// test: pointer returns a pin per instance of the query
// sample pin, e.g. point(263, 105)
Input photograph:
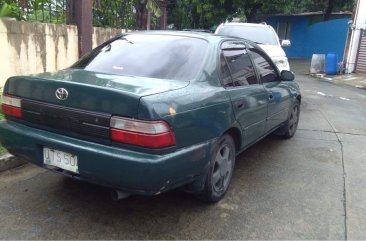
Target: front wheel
point(221, 170)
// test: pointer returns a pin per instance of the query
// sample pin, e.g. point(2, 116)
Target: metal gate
point(361, 55)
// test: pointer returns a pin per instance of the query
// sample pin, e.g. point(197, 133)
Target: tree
point(199, 14)
point(206, 13)
point(327, 6)
point(251, 8)
point(52, 11)
point(337, 5)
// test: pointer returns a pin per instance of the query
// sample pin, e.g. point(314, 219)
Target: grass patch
point(2, 150)
point(1, 113)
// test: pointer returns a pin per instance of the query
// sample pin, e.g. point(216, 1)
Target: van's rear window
point(152, 56)
point(259, 35)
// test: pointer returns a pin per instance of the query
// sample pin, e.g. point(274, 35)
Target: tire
point(221, 170)
point(289, 129)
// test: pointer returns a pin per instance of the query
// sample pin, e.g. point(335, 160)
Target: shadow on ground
point(279, 188)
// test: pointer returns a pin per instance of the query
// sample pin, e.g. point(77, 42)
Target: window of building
point(284, 30)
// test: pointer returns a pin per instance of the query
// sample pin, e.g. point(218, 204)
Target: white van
point(262, 34)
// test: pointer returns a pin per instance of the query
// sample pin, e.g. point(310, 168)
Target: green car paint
point(199, 111)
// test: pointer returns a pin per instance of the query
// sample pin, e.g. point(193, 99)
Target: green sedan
point(148, 112)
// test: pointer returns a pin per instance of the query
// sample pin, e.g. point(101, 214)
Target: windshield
point(258, 35)
point(152, 56)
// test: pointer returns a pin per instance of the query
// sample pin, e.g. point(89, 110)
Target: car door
point(277, 91)
point(249, 98)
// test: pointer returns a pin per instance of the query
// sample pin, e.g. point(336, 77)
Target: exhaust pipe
point(119, 195)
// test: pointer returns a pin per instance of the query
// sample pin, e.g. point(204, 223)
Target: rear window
point(151, 56)
point(258, 35)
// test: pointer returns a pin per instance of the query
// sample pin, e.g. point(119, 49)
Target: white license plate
point(60, 159)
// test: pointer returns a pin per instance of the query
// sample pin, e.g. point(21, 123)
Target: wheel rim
point(222, 168)
point(294, 119)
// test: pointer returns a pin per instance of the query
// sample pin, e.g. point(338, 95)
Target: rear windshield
point(258, 35)
point(152, 56)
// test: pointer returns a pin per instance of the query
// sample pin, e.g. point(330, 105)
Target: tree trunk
point(329, 10)
point(141, 16)
point(252, 13)
point(148, 25)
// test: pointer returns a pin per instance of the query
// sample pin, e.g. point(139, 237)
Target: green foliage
point(301, 6)
point(51, 11)
point(2, 150)
point(153, 7)
point(123, 13)
point(199, 14)
point(206, 13)
point(1, 114)
point(115, 13)
point(9, 9)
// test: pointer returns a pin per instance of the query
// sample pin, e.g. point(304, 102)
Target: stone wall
point(33, 47)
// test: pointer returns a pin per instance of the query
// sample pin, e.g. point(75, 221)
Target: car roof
point(171, 32)
point(190, 34)
point(258, 25)
point(210, 37)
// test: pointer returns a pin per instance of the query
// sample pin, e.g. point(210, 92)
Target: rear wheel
point(221, 170)
point(289, 129)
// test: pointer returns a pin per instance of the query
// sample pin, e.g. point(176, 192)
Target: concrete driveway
point(310, 187)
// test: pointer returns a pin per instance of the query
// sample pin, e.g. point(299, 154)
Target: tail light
point(151, 134)
point(11, 106)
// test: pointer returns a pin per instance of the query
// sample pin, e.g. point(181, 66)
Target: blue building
point(310, 34)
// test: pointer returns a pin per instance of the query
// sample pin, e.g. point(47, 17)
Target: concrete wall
point(32, 47)
point(100, 35)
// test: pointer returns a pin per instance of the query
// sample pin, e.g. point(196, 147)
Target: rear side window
point(152, 56)
point(225, 72)
point(240, 66)
point(266, 70)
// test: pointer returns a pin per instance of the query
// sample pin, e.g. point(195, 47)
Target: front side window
point(266, 70)
point(241, 67)
point(151, 56)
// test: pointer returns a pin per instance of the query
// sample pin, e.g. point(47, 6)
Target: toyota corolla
point(148, 112)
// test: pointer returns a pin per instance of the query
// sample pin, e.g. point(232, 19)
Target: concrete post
point(356, 27)
point(80, 13)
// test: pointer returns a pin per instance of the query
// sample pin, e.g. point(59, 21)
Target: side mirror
point(287, 75)
point(286, 43)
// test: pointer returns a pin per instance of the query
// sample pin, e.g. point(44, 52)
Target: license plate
point(63, 160)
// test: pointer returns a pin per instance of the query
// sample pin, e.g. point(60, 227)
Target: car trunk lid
point(90, 91)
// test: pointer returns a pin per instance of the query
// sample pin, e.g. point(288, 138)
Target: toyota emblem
point(62, 94)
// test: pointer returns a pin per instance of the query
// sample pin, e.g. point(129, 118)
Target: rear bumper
point(133, 172)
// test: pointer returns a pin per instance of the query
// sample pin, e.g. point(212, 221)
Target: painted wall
point(310, 36)
point(325, 37)
point(32, 47)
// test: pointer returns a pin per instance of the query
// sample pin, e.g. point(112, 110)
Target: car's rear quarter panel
point(197, 113)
